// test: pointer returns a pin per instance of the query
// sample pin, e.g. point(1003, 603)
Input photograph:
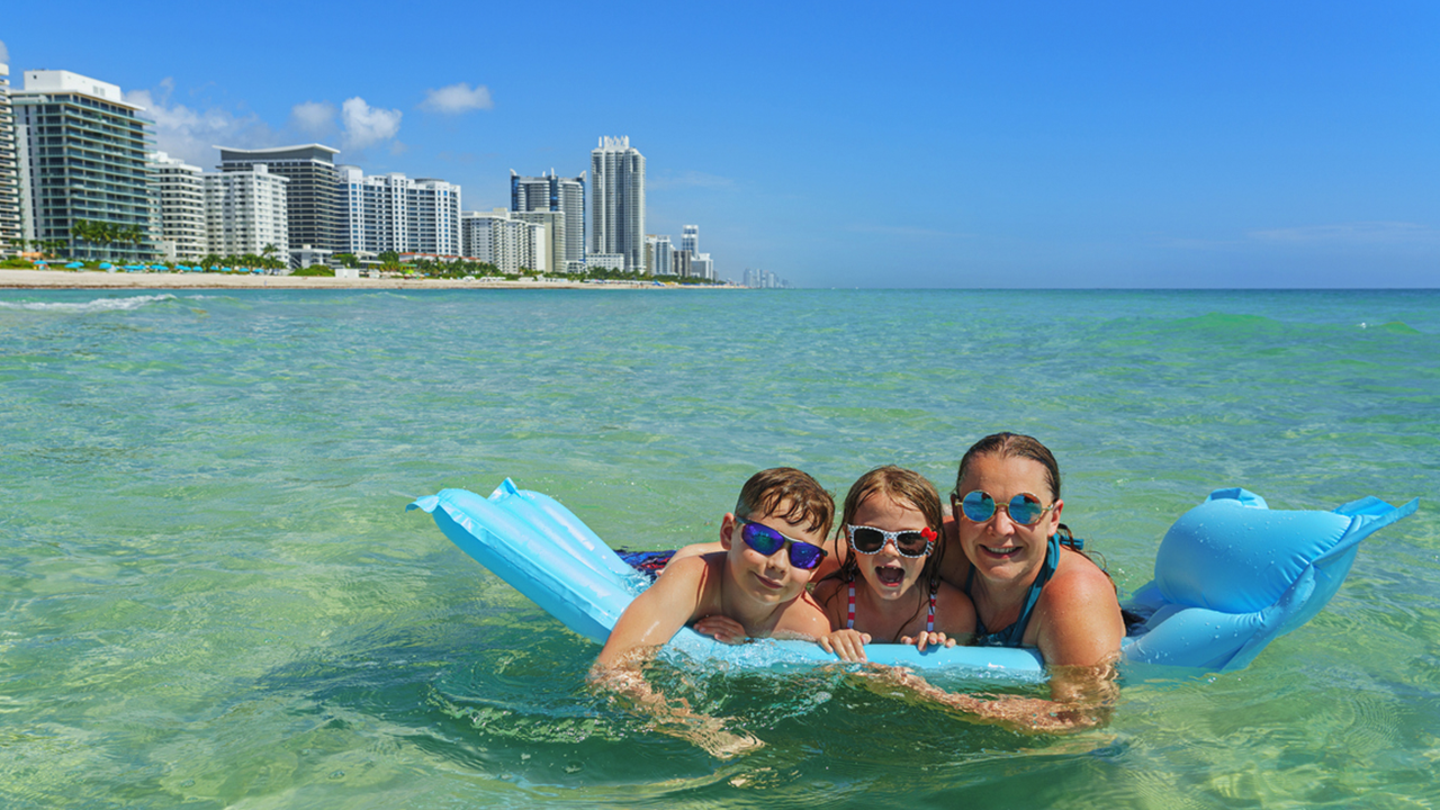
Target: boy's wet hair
point(809, 504)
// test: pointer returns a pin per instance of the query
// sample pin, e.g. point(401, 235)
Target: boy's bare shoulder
point(802, 618)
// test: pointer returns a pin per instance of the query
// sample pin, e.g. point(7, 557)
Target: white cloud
point(314, 118)
point(366, 125)
point(457, 98)
point(4, 53)
point(191, 134)
point(1357, 233)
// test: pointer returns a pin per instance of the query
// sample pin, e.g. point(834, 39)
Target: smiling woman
point(1031, 586)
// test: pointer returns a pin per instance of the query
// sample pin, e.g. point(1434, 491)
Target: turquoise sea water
point(213, 597)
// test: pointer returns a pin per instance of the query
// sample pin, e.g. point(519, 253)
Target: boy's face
point(768, 579)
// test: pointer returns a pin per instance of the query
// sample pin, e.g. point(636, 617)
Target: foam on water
point(213, 597)
point(122, 304)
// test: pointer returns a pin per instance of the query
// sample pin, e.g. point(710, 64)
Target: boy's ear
point(727, 528)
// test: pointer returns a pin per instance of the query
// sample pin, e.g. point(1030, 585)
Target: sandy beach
point(82, 279)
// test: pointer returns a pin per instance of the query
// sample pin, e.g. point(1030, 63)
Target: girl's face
point(889, 575)
point(1001, 549)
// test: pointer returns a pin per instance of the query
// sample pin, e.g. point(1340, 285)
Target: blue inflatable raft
point(1231, 576)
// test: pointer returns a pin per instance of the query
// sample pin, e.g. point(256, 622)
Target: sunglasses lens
point(978, 506)
point(911, 544)
point(1025, 509)
point(805, 555)
point(867, 540)
point(766, 541)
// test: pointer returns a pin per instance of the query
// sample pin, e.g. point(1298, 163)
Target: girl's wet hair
point(808, 502)
point(904, 486)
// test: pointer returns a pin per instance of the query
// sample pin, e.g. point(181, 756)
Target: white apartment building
point(550, 192)
point(690, 239)
point(246, 211)
point(10, 228)
point(658, 252)
point(702, 267)
point(552, 241)
point(617, 202)
point(393, 212)
point(83, 154)
point(180, 192)
point(496, 237)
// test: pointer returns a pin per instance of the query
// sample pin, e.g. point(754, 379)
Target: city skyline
point(967, 146)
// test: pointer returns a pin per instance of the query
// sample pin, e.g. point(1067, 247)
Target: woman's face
point(1001, 549)
point(889, 575)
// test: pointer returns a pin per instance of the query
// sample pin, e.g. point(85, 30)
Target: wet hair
point(1017, 445)
point(1013, 445)
point(809, 504)
point(902, 485)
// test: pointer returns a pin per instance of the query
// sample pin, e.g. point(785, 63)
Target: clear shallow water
point(212, 596)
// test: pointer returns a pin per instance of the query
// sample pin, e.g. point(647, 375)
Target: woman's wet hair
point(902, 486)
point(1013, 445)
point(1018, 445)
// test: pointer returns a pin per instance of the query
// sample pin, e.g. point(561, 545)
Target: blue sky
point(1136, 144)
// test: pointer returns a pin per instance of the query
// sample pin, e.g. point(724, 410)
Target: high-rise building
point(701, 266)
point(659, 252)
point(550, 192)
point(680, 263)
point(690, 239)
point(617, 201)
point(246, 212)
point(180, 191)
point(497, 237)
point(86, 152)
point(311, 201)
point(392, 212)
point(10, 229)
point(553, 242)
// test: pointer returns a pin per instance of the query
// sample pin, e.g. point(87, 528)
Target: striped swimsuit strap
point(929, 618)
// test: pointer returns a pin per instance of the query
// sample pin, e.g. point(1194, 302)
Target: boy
point(754, 586)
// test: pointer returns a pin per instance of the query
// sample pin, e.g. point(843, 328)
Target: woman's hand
point(927, 638)
point(723, 629)
point(848, 644)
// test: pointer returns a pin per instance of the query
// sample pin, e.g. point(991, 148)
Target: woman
point(1031, 586)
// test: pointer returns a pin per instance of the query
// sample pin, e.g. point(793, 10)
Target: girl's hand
point(848, 644)
point(931, 639)
point(723, 629)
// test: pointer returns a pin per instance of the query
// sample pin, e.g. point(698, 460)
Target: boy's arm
point(657, 614)
point(649, 622)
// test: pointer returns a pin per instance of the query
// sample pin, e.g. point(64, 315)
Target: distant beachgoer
point(888, 588)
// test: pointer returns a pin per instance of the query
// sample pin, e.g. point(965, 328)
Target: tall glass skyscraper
point(617, 201)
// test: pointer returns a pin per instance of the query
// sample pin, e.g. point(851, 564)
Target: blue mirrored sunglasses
point(767, 541)
point(1024, 508)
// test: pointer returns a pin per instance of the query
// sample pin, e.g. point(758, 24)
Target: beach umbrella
point(106, 265)
point(74, 266)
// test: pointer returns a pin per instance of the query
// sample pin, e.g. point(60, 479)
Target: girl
point(887, 588)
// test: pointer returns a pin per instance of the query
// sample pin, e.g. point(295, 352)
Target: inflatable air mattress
point(1231, 576)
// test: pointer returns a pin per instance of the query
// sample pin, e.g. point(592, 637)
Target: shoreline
point(99, 280)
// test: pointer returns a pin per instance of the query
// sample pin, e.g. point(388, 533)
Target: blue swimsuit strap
point(1012, 636)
